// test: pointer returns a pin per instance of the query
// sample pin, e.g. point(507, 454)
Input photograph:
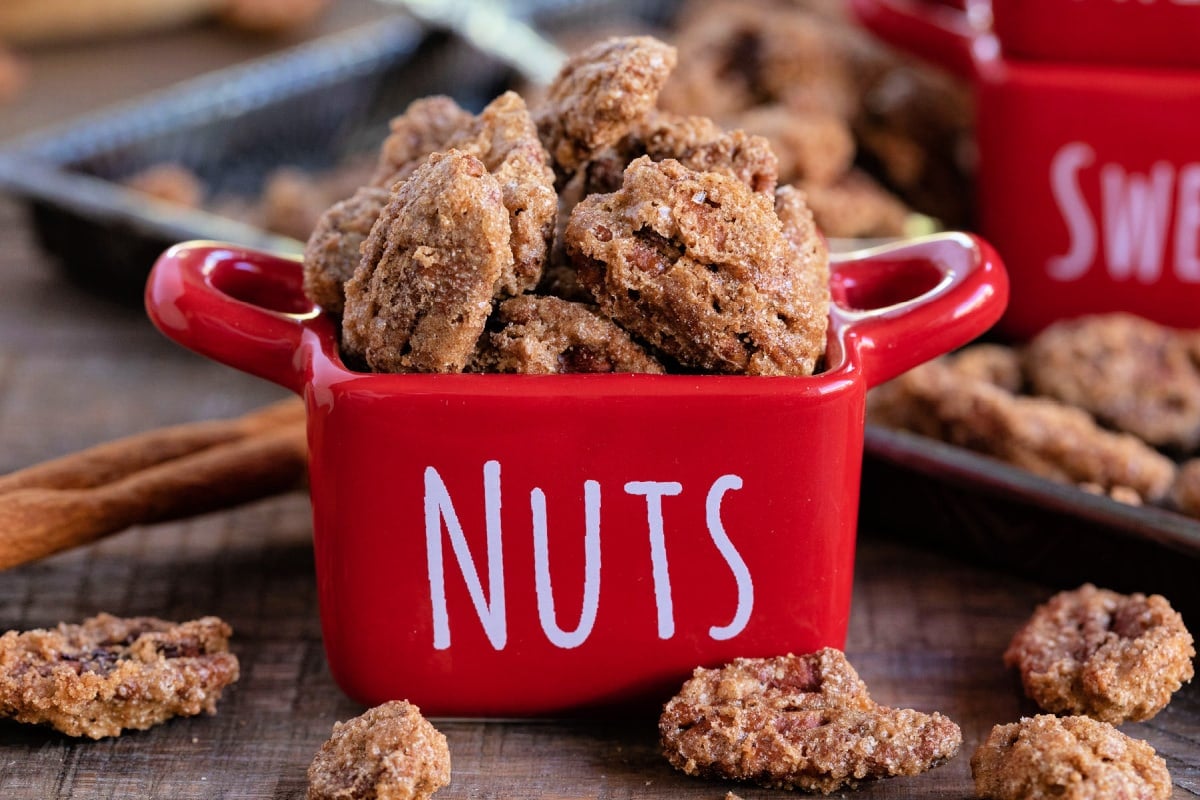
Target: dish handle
point(243, 308)
point(901, 304)
point(936, 32)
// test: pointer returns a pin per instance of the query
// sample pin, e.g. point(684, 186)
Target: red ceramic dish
point(1135, 32)
point(1089, 177)
point(499, 545)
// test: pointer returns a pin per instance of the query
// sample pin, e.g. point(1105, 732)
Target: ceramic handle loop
point(902, 304)
point(937, 33)
point(236, 307)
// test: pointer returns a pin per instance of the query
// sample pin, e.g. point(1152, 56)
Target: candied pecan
point(1130, 373)
point(503, 137)
point(1043, 436)
point(797, 722)
point(292, 203)
point(992, 363)
point(809, 249)
point(855, 207)
point(1067, 758)
point(1122, 494)
point(719, 53)
point(548, 335)
point(1185, 493)
point(424, 128)
point(813, 147)
point(912, 129)
point(742, 54)
point(1110, 656)
point(599, 95)
point(390, 752)
point(335, 246)
point(420, 296)
point(696, 142)
point(171, 183)
point(697, 265)
point(110, 674)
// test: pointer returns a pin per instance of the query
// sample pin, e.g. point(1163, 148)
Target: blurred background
point(127, 126)
point(880, 142)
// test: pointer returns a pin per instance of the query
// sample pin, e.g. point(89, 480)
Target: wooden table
point(927, 631)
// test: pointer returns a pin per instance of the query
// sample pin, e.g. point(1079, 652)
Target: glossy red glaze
point(1135, 32)
point(687, 519)
point(1089, 176)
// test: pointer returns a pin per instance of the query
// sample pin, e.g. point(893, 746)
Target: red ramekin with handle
point(1149, 33)
point(512, 545)
point(1088, 178)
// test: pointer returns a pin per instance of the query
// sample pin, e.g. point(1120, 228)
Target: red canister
point(1089, 174)
point(1134, 32)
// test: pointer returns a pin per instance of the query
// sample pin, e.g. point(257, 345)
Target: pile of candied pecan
point(593, 233)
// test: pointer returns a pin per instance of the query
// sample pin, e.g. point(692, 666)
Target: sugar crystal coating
point(1113, 657)
point(1067, 758)
point(390, 752)
point(110, 674)
point(797, 722)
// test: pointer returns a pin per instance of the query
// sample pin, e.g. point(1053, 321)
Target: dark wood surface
point(927, 631)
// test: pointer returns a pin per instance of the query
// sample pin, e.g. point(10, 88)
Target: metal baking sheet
point(312, 107)
point(929, 492)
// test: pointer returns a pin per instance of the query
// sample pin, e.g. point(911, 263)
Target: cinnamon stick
point(114, 460)
point(36, 522)
point(164, 474)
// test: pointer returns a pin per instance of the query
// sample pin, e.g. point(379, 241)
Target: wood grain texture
point(926, 631)
point(37, 522)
